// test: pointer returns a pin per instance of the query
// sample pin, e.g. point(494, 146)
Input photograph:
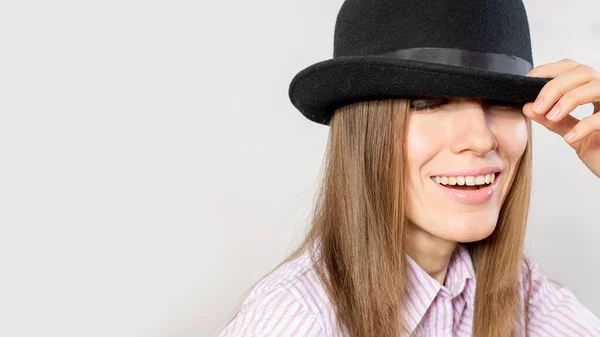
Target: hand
point(572, 84)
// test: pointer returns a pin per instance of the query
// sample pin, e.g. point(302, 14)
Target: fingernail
point(555, 110)
point(537, 104)
point(570, 136)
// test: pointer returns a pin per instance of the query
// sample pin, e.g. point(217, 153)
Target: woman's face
point(447, 135)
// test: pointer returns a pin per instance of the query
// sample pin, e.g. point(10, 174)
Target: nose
point(472, 130)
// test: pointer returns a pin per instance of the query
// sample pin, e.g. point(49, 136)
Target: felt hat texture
point(420, 48)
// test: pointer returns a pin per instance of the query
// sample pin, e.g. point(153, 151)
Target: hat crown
point(370, 27)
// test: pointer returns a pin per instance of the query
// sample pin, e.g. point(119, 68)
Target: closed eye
point(430, 103)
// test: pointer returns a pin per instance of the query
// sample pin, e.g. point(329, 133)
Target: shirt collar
point(423, 288)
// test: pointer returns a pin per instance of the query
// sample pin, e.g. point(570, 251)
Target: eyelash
point(431, 106)
point(427, 106)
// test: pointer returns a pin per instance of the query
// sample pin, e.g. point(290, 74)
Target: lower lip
point(470, 197)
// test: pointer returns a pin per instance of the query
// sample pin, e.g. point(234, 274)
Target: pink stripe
point(439, 306)
point(311, 283)
point(463, 328)
point(265, 311)
point(416, 289)
point(303, 293)
point(539, 327)
point(279, 322)
point(285, 324)
point(568, 307)
point(312, 329)
point(298, 327)
point(410, 303)
point(434, 317)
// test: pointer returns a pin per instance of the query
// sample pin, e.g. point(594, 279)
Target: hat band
point(500, 63)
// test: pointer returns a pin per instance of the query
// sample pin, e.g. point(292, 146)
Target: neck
point(430, 252)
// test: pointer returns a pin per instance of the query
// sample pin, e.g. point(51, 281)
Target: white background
point(152, 167)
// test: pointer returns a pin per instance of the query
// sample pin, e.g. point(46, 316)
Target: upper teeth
point(466, 180)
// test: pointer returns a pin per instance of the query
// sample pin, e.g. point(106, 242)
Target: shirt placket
point(446, 315)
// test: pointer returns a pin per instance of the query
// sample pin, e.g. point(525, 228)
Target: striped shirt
point(291, 301)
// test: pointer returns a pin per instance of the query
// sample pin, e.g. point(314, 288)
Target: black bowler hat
point(407, 48)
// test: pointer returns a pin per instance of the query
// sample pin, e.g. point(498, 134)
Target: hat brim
point(318, 90)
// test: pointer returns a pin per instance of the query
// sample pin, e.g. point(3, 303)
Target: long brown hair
point(359, 221)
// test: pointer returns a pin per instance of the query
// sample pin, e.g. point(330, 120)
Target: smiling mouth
point(459, 183)
point(471, 194)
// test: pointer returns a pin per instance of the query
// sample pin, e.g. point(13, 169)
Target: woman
point(420, 222)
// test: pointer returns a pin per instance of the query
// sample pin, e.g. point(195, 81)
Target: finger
point(561, 128)
point(557, 87)
point(552, 69)
point(584, 128)
point(587, 93)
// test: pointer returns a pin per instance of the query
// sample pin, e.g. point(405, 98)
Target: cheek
point(512, 135)
point(424, 138)
point(420, 146)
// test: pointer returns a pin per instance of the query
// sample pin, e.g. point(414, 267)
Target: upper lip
point(470, 171)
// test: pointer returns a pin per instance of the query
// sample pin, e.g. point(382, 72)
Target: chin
point(459, 227)
point(473, 233)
